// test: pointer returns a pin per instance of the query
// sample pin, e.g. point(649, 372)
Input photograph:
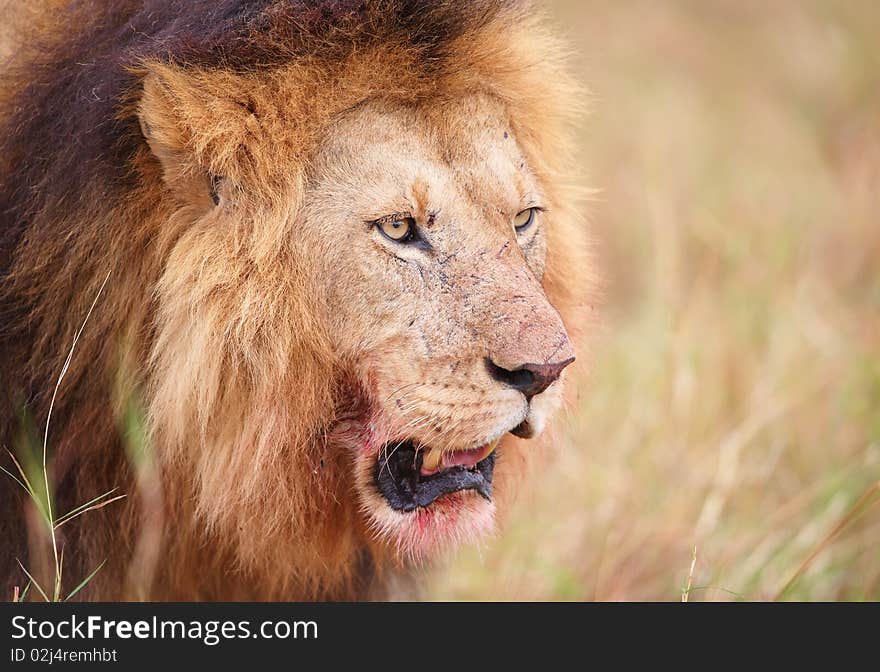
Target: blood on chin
point(453, 519)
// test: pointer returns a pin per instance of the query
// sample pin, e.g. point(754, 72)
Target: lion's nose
point(530, 379)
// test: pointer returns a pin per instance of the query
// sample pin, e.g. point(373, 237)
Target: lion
point(332, 254)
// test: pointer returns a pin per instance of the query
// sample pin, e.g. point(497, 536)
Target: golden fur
point(241, 328)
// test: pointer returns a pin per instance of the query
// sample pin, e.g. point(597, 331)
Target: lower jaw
point(425, 534)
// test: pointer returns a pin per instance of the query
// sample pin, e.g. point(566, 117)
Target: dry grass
point(734, 398)
point(34, 479)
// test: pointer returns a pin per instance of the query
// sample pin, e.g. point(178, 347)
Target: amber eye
point(524, 219)
point(399, 230)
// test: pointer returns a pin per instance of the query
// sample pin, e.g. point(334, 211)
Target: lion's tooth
point(487, 450)
point(431, 459)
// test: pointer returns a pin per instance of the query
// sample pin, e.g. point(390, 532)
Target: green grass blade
point(59, 570)
point(742, 598)
point(15, 478)
point(81, 508)
point(85, 581)
point(21, 471)
point(37, 500)
point(33, 580)
point(93, 507)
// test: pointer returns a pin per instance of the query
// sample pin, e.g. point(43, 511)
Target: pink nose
point(530, 379)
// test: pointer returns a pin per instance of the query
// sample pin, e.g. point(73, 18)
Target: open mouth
point(410, 477)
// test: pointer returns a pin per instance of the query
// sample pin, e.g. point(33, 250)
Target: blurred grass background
point(733, 401)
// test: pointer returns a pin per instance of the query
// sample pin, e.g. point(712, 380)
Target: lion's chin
point(427, 532)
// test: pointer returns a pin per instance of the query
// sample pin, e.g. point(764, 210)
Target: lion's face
point(428, 227)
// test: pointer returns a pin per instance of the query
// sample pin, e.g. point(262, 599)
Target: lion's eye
point(400, 230)
point(524, 219)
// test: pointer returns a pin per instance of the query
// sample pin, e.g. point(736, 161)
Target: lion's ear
point(163, 111)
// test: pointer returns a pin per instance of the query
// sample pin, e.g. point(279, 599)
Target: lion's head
point(429, 231)
point(358, 248)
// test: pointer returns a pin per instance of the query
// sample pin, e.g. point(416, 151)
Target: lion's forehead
point(464, 152)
